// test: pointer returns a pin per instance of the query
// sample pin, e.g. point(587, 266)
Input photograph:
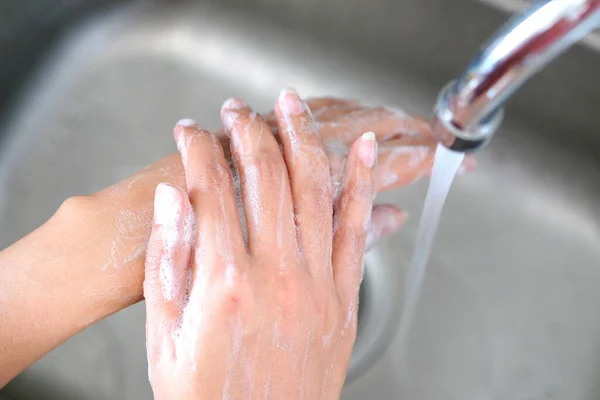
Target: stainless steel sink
point(510, 309)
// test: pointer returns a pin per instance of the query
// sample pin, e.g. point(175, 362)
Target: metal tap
point(469, 110)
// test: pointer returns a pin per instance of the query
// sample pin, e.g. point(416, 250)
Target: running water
point(445, 165)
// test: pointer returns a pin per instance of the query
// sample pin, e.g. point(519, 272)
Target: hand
point(273, 316)
point(406, 149)
point(99, 241)
point(406, 143)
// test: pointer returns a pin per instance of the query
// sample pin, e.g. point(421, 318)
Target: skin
point(87, 261)
point(272, 316)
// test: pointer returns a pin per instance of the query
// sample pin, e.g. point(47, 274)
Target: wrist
point(45, 302)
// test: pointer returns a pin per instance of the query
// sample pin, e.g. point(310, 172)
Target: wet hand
point(406, 143)
point(257, 298)
point(406, 149)
point(405, 155)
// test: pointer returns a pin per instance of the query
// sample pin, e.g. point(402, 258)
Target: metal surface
point(469, 110)
point(449, 133)
point(518, 6)
point(510, 306)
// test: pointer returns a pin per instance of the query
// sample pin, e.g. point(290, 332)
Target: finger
point(352, 218)
point(385, 220)
point(265, 185)
point(386, 122)
point(310, 181)
point(219, 239)
point(401, 165)
point(167, 268)
point(319, 107)
point(399, 130)
point(328, 108)
point(335, 112)
point(320, 103)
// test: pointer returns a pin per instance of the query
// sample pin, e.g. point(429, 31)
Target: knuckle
point(316, 199)
point(269, 166)
point(315, 182)
point(318, 180)
point(351, 238)
point(320, 164)
point(351, 232)
point(356, 224)
point(307, 130)
point(355, 199)
point(360, 189)
point(302, 128)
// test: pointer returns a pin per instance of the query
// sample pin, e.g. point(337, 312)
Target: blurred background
point(90, 91)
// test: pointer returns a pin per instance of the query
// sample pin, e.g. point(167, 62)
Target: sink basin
point(509, 310)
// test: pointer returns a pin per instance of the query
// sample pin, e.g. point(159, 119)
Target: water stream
point(445, 166)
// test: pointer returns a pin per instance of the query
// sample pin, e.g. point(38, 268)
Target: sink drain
point(379, 310)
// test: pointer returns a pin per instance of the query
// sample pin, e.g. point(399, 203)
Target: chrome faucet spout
point(469, 110)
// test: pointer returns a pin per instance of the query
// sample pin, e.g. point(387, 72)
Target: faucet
point(470, 109)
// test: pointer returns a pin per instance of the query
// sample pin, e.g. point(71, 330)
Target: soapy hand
point(406, 143)
point(406, 150)
point(257, 298)
point(118, 222)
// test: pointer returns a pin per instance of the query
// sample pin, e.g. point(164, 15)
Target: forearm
point(82, 265)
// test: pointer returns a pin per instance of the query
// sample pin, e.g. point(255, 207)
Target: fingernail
point(181, 125)
point(167, 207)
point(229, 116)
point(186, 122)
point(232, 105)
point(290, 102)
point(367, 151)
